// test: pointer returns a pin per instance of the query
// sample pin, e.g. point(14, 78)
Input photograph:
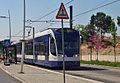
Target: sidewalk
point(34, 74)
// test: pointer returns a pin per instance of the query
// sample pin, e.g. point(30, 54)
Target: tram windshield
point(71, 43)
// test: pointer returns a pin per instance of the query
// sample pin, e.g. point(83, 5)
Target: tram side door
point(46, 46)
point(36, 54)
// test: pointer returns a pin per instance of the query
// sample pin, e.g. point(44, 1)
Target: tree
point(90, 30)
point(102, 22)
point(118, 19)
point(90, 43)
point(113, 31)
point(96, 42)
point(82, 30)
point(90, 33)
point(86, 33)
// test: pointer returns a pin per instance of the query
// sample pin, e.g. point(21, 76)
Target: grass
point(105, 63)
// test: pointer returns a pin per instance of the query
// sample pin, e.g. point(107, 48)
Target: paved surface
point(101, 73)
point(84, 74)
point(34, 74)
point(5, 78)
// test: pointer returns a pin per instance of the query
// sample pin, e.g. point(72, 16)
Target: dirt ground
point(106, 50)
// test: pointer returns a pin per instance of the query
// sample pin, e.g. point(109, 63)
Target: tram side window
point(52, 47)
point(19, 48)
point(40, 47)
point(29, 48)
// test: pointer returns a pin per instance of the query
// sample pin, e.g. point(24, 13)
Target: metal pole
point(63, 51)
point(71, 15)
point(23, 43)
point(33, 45)
point(9, 25)
point(80, 48)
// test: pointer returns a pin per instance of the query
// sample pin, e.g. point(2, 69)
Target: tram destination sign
point(62, 13)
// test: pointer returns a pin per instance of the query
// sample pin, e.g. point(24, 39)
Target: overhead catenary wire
point(2, 35)
point(68, 7)
point(49, 21)
point(37, 20)
point(52, 11)
point(95, 8)
point(102, 3)
point(18, 33)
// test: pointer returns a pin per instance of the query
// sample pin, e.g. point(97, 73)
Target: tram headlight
point(60, 55)
point(76, 55)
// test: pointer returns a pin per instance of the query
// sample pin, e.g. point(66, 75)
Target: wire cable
point(52, 11)
point(102, 2)
point(95, 8)
point(18, 33)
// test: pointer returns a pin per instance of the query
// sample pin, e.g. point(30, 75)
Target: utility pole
point(9, 25)
point(71, 16)
point(8, 17)
point(33, 44)
point(23, 43)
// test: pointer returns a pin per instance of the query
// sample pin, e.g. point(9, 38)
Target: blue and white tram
point(48, 48)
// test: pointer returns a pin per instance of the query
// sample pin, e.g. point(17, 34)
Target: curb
point(12, 75)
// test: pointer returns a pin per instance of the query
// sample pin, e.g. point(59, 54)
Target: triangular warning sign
point(62, 14)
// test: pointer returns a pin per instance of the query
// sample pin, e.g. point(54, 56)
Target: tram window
point(40, 47)
point(66, 30)
point(52, 47)
point(19, 47)
point(29, 48)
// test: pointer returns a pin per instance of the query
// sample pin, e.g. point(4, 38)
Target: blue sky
point(38, 8)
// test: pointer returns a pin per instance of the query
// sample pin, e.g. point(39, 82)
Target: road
point(37, 74)
point(5, 78)
point(83, 74)
point(99, 73)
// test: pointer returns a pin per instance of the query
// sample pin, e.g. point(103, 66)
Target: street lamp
point(9, 23)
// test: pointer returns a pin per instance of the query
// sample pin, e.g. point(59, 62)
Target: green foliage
point(114, 42)
point(1, 46)
point(79, 27)
point(84, 30)
point(105, 63)
point(118, 21)
point(102, 22)
point(113, 31)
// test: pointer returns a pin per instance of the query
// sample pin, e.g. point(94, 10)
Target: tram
point(48, 48)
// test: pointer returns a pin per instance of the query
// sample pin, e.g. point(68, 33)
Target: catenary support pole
point(9, 25)
point(33, 44)
point(23, 43)
point(71, 16)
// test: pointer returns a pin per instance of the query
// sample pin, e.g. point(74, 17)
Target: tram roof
point(43, 32)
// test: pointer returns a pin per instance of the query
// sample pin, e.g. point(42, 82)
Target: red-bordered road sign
point(62, 13)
